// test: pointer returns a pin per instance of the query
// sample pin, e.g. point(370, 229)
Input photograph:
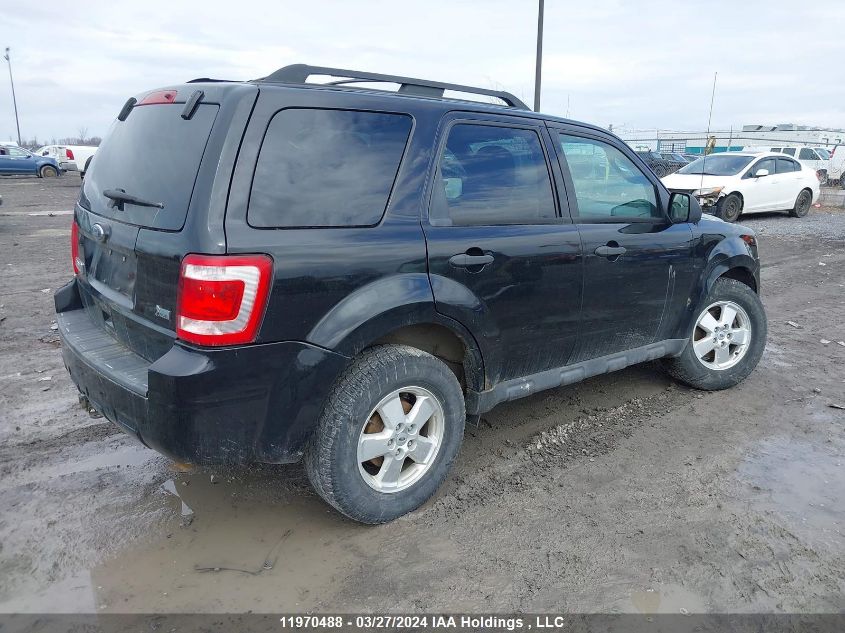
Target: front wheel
point(727, 339)
point(390, 430)
point(48, 171)
point(729, 208)
point(802, 204)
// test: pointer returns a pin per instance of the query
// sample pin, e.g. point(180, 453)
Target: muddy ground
point(660, 499)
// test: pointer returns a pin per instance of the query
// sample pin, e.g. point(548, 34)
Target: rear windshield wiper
point(119, 197)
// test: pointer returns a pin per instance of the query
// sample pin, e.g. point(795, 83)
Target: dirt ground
point(654, 498)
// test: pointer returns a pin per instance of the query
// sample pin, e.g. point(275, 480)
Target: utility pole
point(14, 100)
point(539, 63)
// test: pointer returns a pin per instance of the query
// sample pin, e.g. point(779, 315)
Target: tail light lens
point(222, 298)
point(69, 154)
point(74, 247)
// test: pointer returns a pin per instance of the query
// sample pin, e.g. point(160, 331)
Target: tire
point(365, 491)
point(704, 373)
point(802, 204)
point(48, 171)
point(729, 207)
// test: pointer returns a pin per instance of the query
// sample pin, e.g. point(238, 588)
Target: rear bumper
point(255, 403)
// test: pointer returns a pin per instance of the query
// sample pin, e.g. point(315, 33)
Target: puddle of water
point(129, 455)
point(169, 487)
point(664, 598)
point(800, 481)
point(245, 543)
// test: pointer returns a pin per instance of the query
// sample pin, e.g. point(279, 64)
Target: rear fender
point(376, 310)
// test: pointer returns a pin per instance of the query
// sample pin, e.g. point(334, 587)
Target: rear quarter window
point(326, 168)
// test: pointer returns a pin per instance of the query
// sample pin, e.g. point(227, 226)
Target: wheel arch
point(400, 309)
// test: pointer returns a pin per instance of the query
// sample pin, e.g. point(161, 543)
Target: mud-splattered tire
point(48, 171)
point(729, 208)
point(713, 358)
point(412, 407)
point(802, 204)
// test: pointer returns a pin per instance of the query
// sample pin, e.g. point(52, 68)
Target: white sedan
point(732, 183)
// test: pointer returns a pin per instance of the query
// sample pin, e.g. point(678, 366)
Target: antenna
point(709, 120)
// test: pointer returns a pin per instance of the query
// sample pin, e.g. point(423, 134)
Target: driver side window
point(607, 183)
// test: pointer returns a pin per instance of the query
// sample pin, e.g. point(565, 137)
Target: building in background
point(694, 142)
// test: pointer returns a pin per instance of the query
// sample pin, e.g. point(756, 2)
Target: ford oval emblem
point(99, 232)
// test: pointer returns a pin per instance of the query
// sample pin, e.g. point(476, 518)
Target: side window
point(789, 150)
point(607, 184)
point(766, 163)
point(492, 175)
point(324, 168)
point(17, 153)
point(776, 149)
point(807, 154)
point(786, 166)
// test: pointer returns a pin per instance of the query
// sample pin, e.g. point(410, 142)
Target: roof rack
point(299, 73)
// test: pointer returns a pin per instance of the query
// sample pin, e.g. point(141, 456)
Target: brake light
point(221, 298)
point(74, 247)
point(69, 154)
point(160, 96)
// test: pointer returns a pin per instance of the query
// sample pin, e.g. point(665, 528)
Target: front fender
point(724, 255)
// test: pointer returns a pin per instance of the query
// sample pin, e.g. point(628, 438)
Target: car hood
point(694, 181)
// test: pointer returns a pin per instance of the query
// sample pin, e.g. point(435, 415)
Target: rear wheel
point(802, 204)
point(729, 207)
point(391, 428)
point(727, 339)
point(48, 171)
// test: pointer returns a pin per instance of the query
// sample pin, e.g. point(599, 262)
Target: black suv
point(275, 270)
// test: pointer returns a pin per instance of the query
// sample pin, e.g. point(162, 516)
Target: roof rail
point(299, 73)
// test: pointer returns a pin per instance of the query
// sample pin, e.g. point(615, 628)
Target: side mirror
point(684, 208)
point(761, 172)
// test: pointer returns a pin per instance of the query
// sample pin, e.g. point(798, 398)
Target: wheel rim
point(400, 439)
point(803, 203)
point(722, 335)
point(48, 172)
point(731, 209)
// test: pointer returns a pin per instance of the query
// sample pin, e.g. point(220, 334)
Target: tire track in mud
point(586, 437)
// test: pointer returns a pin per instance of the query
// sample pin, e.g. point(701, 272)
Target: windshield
point(825, 155)
point(719, 165)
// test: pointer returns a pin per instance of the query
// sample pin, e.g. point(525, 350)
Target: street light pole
point(14, 100)
point(539, 63)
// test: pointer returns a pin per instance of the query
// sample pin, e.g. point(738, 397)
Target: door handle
point(611, 252)
point(464, 260)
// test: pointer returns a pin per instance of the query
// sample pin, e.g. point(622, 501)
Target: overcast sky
point(638, 64)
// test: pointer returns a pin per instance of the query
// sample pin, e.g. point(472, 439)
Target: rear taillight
point(74, 248)
point(69, 154)
point(222, 298)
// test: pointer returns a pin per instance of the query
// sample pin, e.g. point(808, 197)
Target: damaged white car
point(732, 183)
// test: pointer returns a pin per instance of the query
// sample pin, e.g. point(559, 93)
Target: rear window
point(326, 168)
point(154, 155)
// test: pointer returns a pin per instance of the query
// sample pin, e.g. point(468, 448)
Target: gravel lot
point(658, 498)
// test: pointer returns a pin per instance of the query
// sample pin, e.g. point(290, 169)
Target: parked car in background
point(836, 168)
point(279, 288)
point(16, 160)
point(816, 158)
point(674, 157)
point(70, 157)
point(659, 165)
point(731, 183)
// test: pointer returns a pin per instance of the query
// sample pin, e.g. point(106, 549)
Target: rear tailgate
point(171, 165)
